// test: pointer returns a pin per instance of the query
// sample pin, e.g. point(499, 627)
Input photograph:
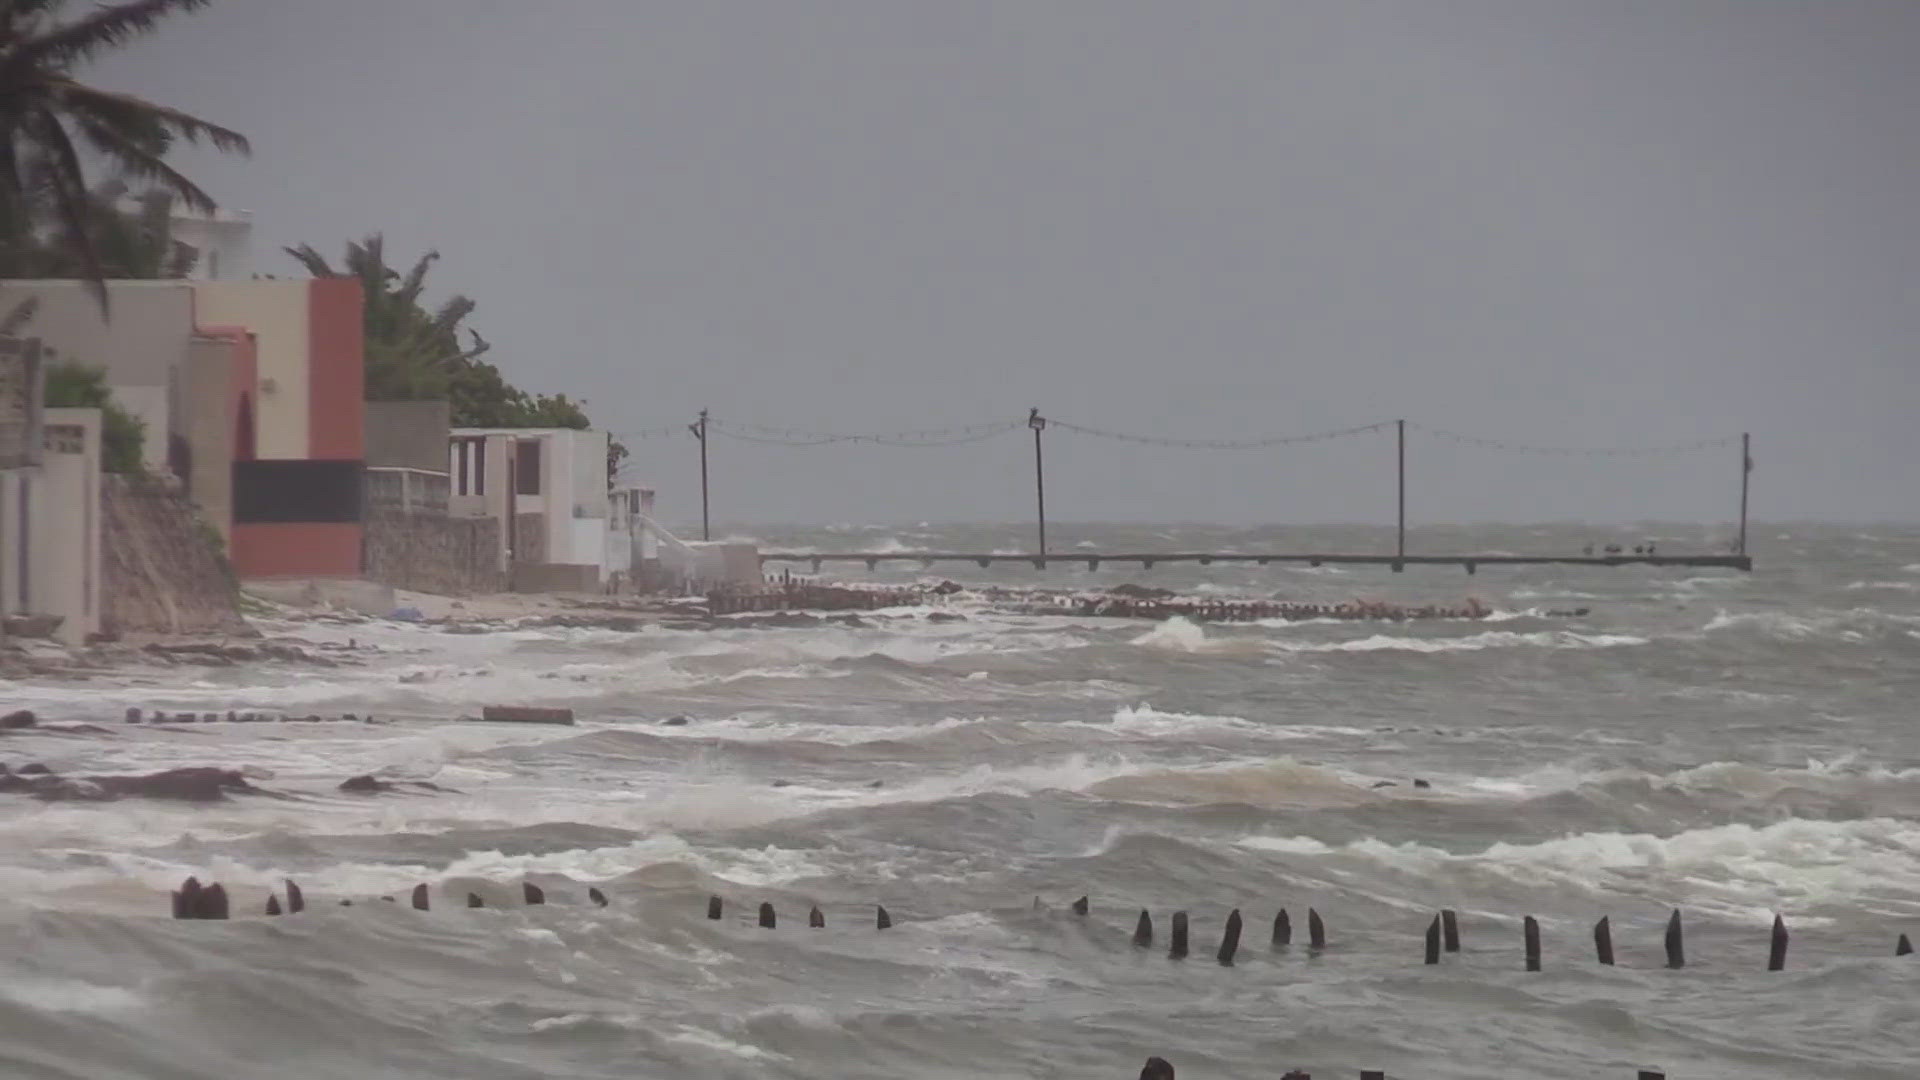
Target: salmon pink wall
point(336, 371)
point(296, 550)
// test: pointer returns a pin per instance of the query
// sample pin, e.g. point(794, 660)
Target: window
point(526, 467)
point(469, 466)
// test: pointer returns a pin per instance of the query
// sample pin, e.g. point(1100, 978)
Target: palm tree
point(129, 236)
point(412, 355)
point(46, 115)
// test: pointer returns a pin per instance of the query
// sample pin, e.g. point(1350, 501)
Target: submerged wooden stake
point(599, 898)
point(1903, 947)
point(473, 900)
point(1080, 906)
point(1316, 930)
point(1450, 929)
point(296, 903)
point(713, 907)
point(766, 915)
point(534, 893)
point(273, 904)
point(1179, 949)
point(1230, 940)
point(816, 919)
point(1433, 941)
point(1531, 933)
point(1156, 1068)
point(1143, 931)
point(1676, 942)
point(186, 899)
point(1282, 929)
point(1603, 940)
point(882, 920)
point(421, 901)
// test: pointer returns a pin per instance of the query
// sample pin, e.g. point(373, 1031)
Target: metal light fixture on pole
point(699, 430)
point(1039, 424)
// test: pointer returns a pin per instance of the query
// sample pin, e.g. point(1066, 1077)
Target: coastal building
point(548, 488)
point(249, 397)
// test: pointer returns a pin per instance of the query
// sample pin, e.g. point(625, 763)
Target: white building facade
point(548, 487)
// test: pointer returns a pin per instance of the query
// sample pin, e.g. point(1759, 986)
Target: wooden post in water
point(1603, 940)
point(1143, 931)
point(1531, 934)
point(1450, 929)
point(1316, 931)
point(473, 900)
point(713, 907)
point(1157, 1068)
point(186, 899)
point(1179, 949)
point(1676, 942)
point(1651, 1074)
point(1433, 941)
point(421, 901)
point(1903, 947)
point(882, 920)
point(296, 903)
point(1372, 1074)
point(767, 919)
point(1777, 952)
point(1282, 929)
point(533, 894)
point(1080, 906)
point(273, 904)
point(599, 898)
point(1230, 940)
point(816, 919)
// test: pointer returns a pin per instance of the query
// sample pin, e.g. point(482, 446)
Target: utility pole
point(1039, 424)
point(700, 432)
point(1401, 546)
point(1746, 470)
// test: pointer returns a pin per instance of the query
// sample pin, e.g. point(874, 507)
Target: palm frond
point(107, 27)
point(138, 162)
point(129, 114)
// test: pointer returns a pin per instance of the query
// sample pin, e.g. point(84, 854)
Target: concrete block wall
point(433, 553)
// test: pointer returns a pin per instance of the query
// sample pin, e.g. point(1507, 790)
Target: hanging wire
point(756, 433)
point(1222, 444)
point(1578, 451)
point(648, 433)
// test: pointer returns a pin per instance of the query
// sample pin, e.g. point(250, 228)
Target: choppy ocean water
point(1734, 745)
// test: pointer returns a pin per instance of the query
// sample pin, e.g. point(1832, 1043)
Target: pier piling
point(1316, 931)
point(473, 900)
point(816, 919)
point(713, 907)
point(1450, 929)
point(296, 902)
point(1080, 906)
point(1777, 951)
point(599, 898)
point(766, 915)
point(1230, 939)
point(882, 920)
point(1433, 941)
point(1179, 949)
point(1143, 931)
point(422, 898)
point(1282, 929)
point(273, 905)
point(1531, 933)
point(1903, 947)
point(1603, 940)
point(1676, 942)
point(534, 894)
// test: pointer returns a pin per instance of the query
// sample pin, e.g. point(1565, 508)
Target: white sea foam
point(1491, 639)
point(71, 996)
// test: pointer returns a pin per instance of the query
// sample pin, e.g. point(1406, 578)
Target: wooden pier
point(1147, 560)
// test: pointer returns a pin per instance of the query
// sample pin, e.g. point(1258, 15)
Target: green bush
point(75, 386)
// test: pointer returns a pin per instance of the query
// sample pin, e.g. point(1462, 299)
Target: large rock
point(195, 784)
point(14, 721)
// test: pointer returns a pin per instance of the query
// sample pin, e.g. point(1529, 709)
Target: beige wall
point(276, 313)
point(206, 388)
point(140, 346)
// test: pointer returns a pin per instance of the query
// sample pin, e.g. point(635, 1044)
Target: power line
point(1222, 444)
point(1579, 451)
point(756, 433)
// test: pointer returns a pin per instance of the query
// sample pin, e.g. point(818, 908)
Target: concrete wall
point(205, 407)
point(140, 342)
point(277, 314)
point(297, 550)
point(408, 434)
point(64, 524)
point(162, 568)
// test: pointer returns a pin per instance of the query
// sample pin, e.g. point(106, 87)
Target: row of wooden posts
point(1159, 1068)
point(195, 901)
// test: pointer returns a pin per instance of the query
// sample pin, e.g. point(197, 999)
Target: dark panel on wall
point(266, 492)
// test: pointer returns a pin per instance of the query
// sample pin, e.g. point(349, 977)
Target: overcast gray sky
point(1590, 223)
